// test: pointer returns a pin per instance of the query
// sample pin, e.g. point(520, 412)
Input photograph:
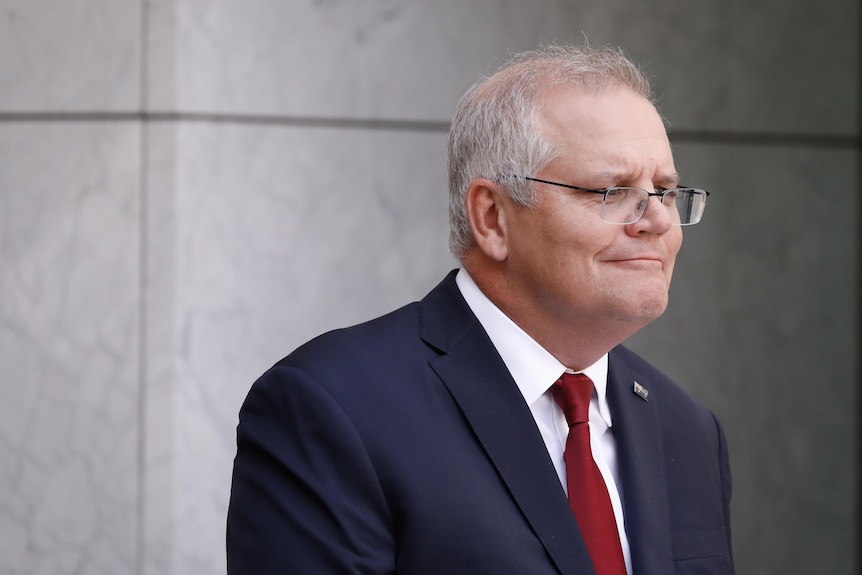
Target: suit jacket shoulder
point(400, 445)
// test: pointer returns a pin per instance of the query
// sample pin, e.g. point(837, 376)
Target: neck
point(575, 341)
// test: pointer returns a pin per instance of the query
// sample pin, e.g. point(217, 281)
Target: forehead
point(615, 131)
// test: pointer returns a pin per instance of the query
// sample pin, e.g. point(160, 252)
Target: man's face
point(568, 263)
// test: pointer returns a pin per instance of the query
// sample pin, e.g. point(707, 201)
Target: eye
point(668, 196)
point(614, 195)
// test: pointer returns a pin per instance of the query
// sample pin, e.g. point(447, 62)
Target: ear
point(486, 212)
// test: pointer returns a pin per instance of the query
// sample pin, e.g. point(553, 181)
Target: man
point(435, 440)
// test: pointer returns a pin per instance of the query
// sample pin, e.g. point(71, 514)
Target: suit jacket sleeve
point(291, 511)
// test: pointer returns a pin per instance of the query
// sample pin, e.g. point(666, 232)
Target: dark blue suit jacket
point(404, 446)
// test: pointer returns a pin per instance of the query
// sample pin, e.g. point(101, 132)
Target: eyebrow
point(670, 180)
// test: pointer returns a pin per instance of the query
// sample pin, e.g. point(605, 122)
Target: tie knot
point(572, 393)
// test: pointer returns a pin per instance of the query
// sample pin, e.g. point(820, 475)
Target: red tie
point(588, 494)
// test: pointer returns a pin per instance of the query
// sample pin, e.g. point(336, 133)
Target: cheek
point(676, 240)
point(674, 246)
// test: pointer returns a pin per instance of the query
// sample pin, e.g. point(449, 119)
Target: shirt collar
point(532, 367)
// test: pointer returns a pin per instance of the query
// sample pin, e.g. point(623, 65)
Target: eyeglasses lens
point(626, 205)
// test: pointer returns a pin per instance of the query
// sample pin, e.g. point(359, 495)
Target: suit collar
point(634, 404)
point(445, 319)
point(532, 367)
point(481, 385)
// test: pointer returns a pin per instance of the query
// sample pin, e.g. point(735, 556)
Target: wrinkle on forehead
point(610, 139)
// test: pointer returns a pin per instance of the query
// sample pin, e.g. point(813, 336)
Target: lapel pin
point(641, 391)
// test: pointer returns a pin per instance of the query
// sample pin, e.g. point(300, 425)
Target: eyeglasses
point(625, 205)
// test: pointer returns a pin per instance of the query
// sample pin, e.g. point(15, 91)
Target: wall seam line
point(143, 328)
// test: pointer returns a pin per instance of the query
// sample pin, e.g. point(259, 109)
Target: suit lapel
point(637, 431)
point(479, 382)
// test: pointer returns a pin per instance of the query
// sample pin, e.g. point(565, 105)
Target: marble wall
point(189, 189)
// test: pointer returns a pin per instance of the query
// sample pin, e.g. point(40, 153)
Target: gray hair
point(495, 135)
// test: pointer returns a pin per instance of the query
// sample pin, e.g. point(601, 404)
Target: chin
point(645, 309)
point(653, 313)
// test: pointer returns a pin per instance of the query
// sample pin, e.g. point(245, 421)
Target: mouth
point(640, 262)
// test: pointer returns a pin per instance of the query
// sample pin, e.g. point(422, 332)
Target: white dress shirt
point(535, 370)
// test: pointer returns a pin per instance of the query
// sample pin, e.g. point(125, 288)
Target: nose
point(656, 219)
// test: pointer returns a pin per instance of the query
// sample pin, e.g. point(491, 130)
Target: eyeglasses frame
point(604, 192)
